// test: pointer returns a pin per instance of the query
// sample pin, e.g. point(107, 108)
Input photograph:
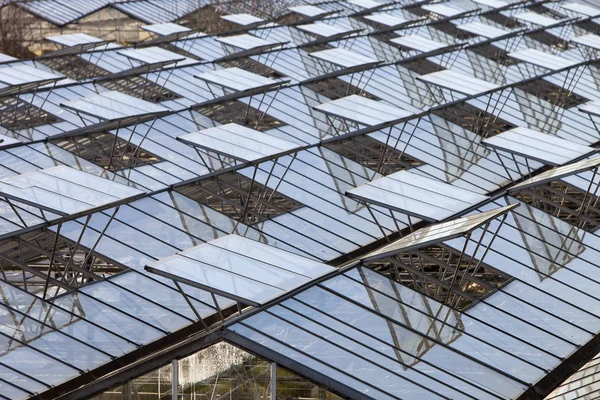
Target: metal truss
point(450, 276)
point(242, 198)
point(566, 202)
point(107, 150)
point(46, 263)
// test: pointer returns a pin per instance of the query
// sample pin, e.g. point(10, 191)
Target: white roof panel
point(242, 19)
point(153, 55)
point(536, 145)
point(417, 42)
point(239, 268)
point(363, 110)
point(112, 105)
point(458, 82)
point(323, 30)
point(416, 195)
point(559, 172)
point(542, 59)
point(592, 108)
point(443, 9)
point(584, 9)
point(492, 3)
point(246, 41)
point(6, 58)
point(6, 141)
point(536, 19)
point(438, 233)
point(309, 11)
point(238, 142)
point(24, 74)
point(343, 58)
point(589, 40)
point(74, 39)
point(65, 190)
point(367, 4)
point(386, 19)
point(236, 79)
point(481, 29)
point(167, 28)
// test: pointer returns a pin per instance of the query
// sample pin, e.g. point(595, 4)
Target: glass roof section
point(439, 232)
point(112, 105)
point(559, 172)
point(240, 269)
point(542, 59)
point(416, 195)
point(237, 79)
point(455, 81)
point(64, 190)
point(344, 58)
point(167, 28)
point(538, 146)
point(239, 142)
point(363, 110)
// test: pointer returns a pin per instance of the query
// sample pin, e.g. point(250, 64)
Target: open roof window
point(422, 66)
point(241, 114)
point(565, 201)
point(552, 93)
point(589, 26)
point(239, 198)
point(336, 88)
point(207, 19)
point(251, 65)
point(548, 39)
point(543, 10)
point(452, 30)
point(17, 114)
point(426, 270)
point(107, 150)
point(494, 53)
point(142, 88)
point(25, 262)
point(503, 20)
point(370, 152)
point(75, 67)
point(474, 119)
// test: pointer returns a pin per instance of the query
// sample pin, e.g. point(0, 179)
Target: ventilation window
point(474, 119)
point(207, 19)
point(503, 20)
point(422, 66)
point(16, 114)
point(75, 67)
point(451, 29)
point(107, 150)
point(542, 9)
point(240, 113)
point(250, 65)
point(552, 93)
point(369, 152)
point(290, 18)
point(335, 88)
point(26, 260)
point(317, 47)
point(564, 201)
point(178, 50)
point(430, 270)
point(417, 10)
point(549, 39)
point(494, 53)
point(229, 194)
point(589, 26)
point(141, 88)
